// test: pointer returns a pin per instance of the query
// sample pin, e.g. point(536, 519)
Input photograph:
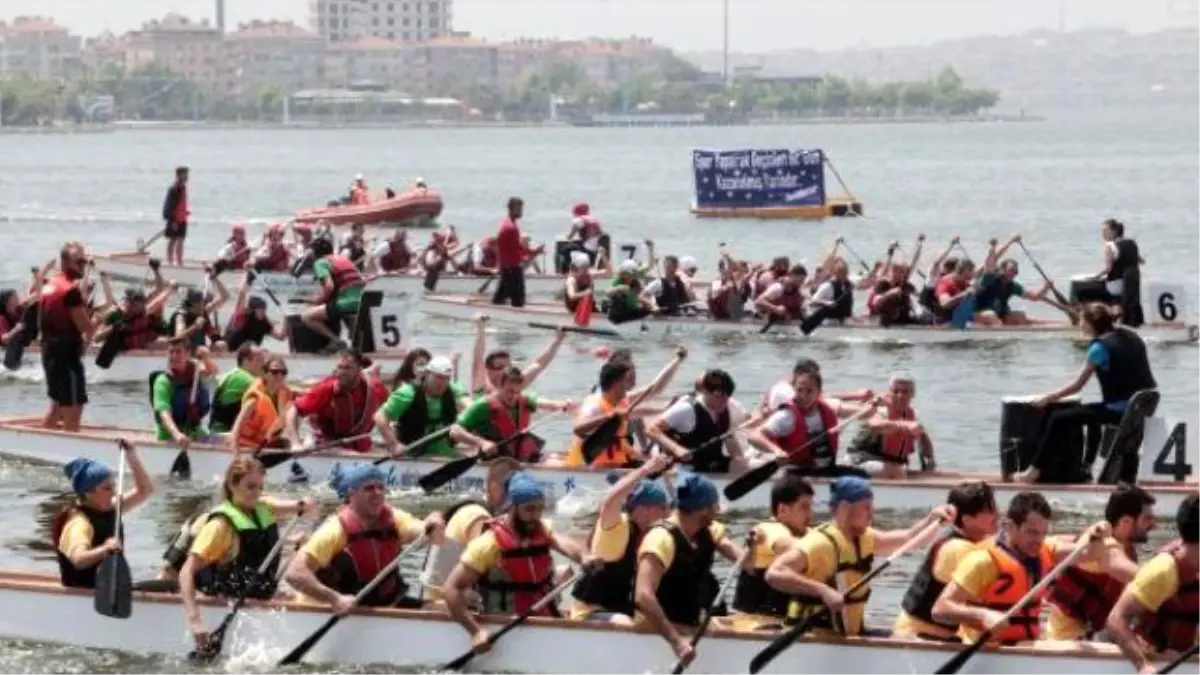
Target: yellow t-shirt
point(217, 541)
point(330, 537)
point(483, 552)
point(76, 534)
point(462, 520)
point(659, 543)
point(1155, 582)
point(608, 545)
point(822, 559)
point(949, 557)
point(1060, 626)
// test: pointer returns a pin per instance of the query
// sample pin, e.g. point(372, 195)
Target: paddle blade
point(182, 466)
point(114, 588)
point(303, 648)
point(446, 473)
point(14, 351)
point(963, 312)
point(273, 459)
point(458, 663)
point(431, 277)
point(769, 325)
point(778, 645)
point(960, 659)
point(109, 350)
point(746, 483)
point(600, 438)
point(583, 312)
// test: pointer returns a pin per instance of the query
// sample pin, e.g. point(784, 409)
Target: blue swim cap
point(647, 493)
point(849, 489)
point(695, 492)
point(86, 474)
point(522, 488)
point(348, 479)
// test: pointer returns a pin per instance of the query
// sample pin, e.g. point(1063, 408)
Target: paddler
point(178, 414)
point(585, 232)
point(688, 269)
point(756, 605)
point(193, 321)
point(419, 408)
point(624, 294)
point(340, 406)
point(782, 392)
point(1158, 611)
point(675, 581)
point(360, 194)
point(356, 542)
point(354, 245)
point(392, 256)
point(249, 323)
point(85, 531)
point(11, 312)
point(954, 288)
point(175, 213)
point(989, 581)
point(136, 318)
point(510, 564)
point(893, 433)
point(340, 294)
point(302, 238)
point(891, 299)
point(762, 279)
point(1083, 596)
point(65, 328)
point(669, 293)
point(784, 300)
point(274, 255)
point(579, 281)
point(235, 253)
point(260, 421)
point(628, 510)
point(233, 542)
point(728, 293)
point(233, 385)
point(689, 427)
point(488, 368)
point(974, 523)
point(510, 257)
point(806, 417)
point(485, 258)
point(998, 284)
point(599, 408)
point(1122, 274)
point(1117, 357)
point(941, 265)
point(834, 297)
point(501, 415)
point(831, 558)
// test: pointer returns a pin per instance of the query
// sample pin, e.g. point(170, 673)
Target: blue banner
point(758, 178)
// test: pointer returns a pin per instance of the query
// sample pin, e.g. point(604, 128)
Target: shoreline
point(208, 125)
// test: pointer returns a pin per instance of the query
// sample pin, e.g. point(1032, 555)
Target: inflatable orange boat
point(407, 207)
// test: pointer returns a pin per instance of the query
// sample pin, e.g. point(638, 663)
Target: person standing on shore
point(510, 254)
point(175, 214)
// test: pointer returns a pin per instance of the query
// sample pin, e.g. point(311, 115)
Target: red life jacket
point(278, 258)
point(54, 314)
point(1173, 626)
point(525, 449)
point(1086, 596)
point(180, 215)
point(523, 574)
point(821, 453)
point(792, 301)
point(139, 330)
point(345, 274)
point(368, 550)
point(350, 413)
point(580, 285)
point(491, 254)
point(897, 446)
point(241, 255)
point(590, 227)
point(762, 281)
point(398, 257)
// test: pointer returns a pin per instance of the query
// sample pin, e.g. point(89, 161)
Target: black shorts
point(66, 380)
point(175, 230)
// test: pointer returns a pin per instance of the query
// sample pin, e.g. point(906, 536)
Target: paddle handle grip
point(420, 442)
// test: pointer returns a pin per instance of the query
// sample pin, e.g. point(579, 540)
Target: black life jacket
point(199, 338)
point(688, 585)
point(843, 295)
point(252, 329)
point(415, 422)
point(899, 308)
point(255, 540)
point(925, 588)
point(611, 587)
point(672, 294)
point(755, 596)
point(1128, 369)
point(104, 527)
point(1127, 256)
point(712, 457)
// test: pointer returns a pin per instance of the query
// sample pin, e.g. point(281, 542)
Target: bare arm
point(1118, 625)
point(649, 575)
point(479, 381)
point(301, 574)
point(543, 360)
point(291, 425)
point(956, 605)
point(1072, 387)
point(231, 440)
point(143, 487)
point(461, 579)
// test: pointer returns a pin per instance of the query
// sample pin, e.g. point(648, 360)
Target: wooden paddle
point(537, 607)
point(1062, 300)
point(143, 245)
point(273, 459)
point(294, 656)
point(114, 583)
point(960, 659)
point(18, 340)
point(785, 640)
point(1179, 660)
point(457, 467)
point(675, 459)
point(419, 443)
point(746, 483)
point(212, 649)
point(707, 615)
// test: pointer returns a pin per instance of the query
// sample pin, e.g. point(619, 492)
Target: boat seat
point(1120, 444)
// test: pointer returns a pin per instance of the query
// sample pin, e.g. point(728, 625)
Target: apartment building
point(372, 60)
point(404, 21)
point(274, 53)
point(194, 50)
point(38, 47)
point(436, 66)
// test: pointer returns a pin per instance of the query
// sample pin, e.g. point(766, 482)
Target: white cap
point(440, 365)
point(580, 259)
point(630, 266)
point(420, 181)
point(358, 176)
point(687, 262)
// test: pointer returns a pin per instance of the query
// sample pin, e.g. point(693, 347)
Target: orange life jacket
point(345, 274)
point(522, 575)
point(1086, 596)
point(821, 453)
point(264, 416)
point(617, 454)
point(898, 445)
point(1012, 583)
point(1173, 626)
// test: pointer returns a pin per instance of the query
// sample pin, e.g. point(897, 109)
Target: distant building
point(369, 59)
point(194, 50)
point(38, 47)
point(608, 62)
point(404, 21)
point(274, 53)
point(105, 52)
point(453, 62)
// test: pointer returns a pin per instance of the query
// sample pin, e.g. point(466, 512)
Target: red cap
point(581, 209)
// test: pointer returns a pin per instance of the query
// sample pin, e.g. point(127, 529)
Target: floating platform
point(841, 207)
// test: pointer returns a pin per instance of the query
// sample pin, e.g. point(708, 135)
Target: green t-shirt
point(161, 397)
point(627, 296)
point(346, 299)
point(231, 387)
point(400, 400)
point(477, 418)
point(991, 284)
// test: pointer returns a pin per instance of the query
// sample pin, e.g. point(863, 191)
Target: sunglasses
point(278, 371)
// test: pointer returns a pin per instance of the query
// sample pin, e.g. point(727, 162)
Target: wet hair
point(612, 373)
point(1187, 519)
point(1115, 226)
point(242, 465)
point(245, 353)
point(789, 489)
point(971, 499)
point(1127, 500)
point(717, 381)
point(1025, 504)
point(407, 372)
point(806, 366)
point(1098, 317)
point(491, 358)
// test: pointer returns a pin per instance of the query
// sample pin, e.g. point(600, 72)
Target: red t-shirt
point(509, 250)
point(343, 413)
point(950, 284)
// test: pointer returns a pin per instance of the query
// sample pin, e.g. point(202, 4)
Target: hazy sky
point(755, 25)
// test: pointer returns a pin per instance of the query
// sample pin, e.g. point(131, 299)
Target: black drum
point(1021, 427)
point(1090, 290)
point(563, 250)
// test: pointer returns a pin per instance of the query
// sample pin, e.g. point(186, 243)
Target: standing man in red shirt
point(511, 256)
point(175, 213)
point(65, 327)
point(340, 406)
